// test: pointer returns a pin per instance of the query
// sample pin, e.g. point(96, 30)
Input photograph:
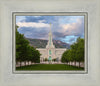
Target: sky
point(64, 28)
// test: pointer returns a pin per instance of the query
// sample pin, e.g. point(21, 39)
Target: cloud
point(35, 33)
point(45, 19)
point(41, 21)
point(73, 28)
point(32, 24)
point(65, 28)
point(20, 18)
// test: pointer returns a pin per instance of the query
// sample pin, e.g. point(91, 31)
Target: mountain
point(40, 43)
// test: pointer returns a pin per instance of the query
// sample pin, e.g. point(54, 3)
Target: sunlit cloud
point(32, 24)
point(73, 28)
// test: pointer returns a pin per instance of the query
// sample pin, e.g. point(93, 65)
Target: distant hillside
point(39, 43)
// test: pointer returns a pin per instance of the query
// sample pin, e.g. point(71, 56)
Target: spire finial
point(50, 27)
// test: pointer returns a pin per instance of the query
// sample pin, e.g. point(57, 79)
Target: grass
point(48, 67)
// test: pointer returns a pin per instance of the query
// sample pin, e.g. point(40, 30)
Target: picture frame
point(14, 14)
point(6, 49)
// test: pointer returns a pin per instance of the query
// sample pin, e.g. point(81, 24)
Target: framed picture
point(58, 28)
point(61, 47)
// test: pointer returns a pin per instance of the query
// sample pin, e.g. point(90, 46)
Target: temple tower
point(50, 42)
point(50, 47)
point(50, 52)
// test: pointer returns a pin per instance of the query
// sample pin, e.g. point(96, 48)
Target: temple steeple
point(50, 29)
point(50, 42)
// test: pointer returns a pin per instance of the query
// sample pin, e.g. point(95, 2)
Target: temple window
point(49, 52)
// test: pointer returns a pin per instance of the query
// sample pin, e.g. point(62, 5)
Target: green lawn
point(49, 67)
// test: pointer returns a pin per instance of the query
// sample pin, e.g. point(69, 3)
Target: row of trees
point(75, 53)
point(25, 52)
point(56, 59)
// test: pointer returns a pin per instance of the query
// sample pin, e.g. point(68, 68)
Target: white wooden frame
point(7, 78)
point(14, 14)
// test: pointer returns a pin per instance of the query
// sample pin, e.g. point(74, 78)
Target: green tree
point(64, 57)
point(67, 56)
point(21, 47)
point(80, 50)
point(25, 52)
point(35, 55)
point(76, 53)
point(45, 59)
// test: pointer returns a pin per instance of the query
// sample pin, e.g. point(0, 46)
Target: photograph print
point(49, 43)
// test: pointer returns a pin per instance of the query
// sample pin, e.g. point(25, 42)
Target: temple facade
point(50, 52)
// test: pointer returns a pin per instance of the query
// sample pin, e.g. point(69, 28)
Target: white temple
point(50, 52)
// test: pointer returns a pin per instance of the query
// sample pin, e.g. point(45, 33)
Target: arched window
point(49, 52)
point(49, 58)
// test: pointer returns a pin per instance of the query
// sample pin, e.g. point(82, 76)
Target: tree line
point(25, 52)
point(75, 53)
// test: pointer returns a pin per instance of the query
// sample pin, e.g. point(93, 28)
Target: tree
point(45, 59)
point(35, 55)
point(25, 52)
point(54, 59)
point(67, 56)
point(21, 47)
point(80, 50)
point(64, 57)
point(76, 53)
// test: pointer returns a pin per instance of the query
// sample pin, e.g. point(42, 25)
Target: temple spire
point(50, 42)
point(50, 27)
